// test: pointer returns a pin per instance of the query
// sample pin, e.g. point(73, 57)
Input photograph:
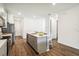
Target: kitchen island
point(38, 42)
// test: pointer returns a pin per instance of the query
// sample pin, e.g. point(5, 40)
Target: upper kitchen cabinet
point(10, 18)
point(5, 20)
point(3, 16)
point(1, 21)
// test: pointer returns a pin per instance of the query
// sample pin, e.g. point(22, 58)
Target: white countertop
point(6, 34)
point(2, 42)
point(37, 35)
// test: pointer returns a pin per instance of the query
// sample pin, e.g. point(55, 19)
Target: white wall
point(33, 25)
point(68, 27)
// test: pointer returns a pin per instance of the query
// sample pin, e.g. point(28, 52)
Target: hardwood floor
point(21, 48)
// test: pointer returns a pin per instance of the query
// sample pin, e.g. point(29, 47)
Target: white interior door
point(18, 28)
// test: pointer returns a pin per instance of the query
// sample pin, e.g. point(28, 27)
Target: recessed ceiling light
point(53, 4)
point(19, 13)
point(34, 16)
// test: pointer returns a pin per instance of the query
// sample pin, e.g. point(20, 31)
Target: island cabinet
point(3, 47)
point(38, 43)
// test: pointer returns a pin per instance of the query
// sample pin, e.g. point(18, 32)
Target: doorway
point(18, 26)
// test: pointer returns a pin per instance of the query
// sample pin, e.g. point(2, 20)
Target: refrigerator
point(11, 29)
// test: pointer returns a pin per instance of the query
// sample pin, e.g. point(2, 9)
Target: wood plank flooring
point(21, 48)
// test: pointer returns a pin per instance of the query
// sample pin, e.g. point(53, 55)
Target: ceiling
point(38, 8)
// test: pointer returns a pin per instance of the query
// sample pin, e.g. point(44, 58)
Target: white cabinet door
point(1, 22)
point(41, 44)
point(3, 49)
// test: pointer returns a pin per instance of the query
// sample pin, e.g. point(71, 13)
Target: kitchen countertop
point(6, 34)
point(37, 35)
